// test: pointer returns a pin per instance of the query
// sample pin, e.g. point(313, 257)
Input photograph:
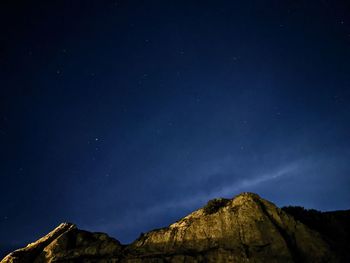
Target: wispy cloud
point(187, 202)
point(227, 190)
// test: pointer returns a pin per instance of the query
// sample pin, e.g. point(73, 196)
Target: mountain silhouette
point(246, 228)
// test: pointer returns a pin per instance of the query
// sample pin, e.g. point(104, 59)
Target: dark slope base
point(334, 227)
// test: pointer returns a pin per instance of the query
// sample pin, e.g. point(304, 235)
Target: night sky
point(124, 116)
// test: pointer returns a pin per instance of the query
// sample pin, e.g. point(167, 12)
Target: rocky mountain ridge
point(246, 228)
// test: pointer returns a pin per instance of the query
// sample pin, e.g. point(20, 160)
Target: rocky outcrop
point(66, 243)
point(244, 229)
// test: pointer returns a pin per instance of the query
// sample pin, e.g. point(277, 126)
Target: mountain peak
point(245, 228)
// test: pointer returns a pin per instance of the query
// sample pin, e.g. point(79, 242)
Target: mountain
point(5, 249)
point(246, 228)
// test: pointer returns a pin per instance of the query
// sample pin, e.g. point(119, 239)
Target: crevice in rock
point(240, 236)
point(290, 241)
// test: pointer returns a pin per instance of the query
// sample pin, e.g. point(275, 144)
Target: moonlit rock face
point(244, 229)
point(247, 227)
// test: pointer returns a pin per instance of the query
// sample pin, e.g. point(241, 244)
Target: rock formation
point(244, 229)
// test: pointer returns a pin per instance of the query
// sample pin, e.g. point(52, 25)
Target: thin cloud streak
point(227, 191)
point(193, 202)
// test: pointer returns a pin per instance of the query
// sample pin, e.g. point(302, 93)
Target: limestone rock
point(66, 243)
point(246, 228)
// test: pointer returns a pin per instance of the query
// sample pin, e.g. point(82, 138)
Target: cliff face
point(244, 229)
point(66, 243)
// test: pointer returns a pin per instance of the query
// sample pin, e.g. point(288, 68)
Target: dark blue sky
point(123, 116)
